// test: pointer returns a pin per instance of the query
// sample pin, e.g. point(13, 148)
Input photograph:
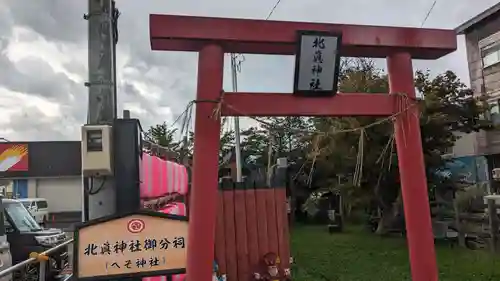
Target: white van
point(38, 208)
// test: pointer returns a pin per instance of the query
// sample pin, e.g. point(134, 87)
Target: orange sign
point(141, 244)
point(13, 157)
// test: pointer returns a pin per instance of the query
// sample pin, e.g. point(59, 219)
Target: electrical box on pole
point(97, 150)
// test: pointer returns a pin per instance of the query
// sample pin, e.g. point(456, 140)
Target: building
point(482, 37)
point(50, 170)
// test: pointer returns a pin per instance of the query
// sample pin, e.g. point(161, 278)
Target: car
point(38, 207)
point(5, 255)
point(25, 236)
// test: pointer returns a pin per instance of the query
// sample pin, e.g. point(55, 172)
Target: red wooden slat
point(220, 235)
point(230, 231)
point(286, 250)
point(252, 230)
point(241, 234)
point(282, 226)
point(272, 230)
point(262, 217)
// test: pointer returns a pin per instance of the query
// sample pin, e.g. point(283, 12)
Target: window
point(494, 112)
point(20, 217)
point(491, 59)
point(490, 55)
point(42, 204)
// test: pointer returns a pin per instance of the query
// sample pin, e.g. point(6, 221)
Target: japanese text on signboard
point(317, 66)
point(153, 251)
point(317, 63)
point(145, 243)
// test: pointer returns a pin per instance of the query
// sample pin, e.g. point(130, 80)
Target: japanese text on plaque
point(317, 67)
point(152, 251)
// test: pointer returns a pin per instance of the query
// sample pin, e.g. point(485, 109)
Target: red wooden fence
point(250, 223)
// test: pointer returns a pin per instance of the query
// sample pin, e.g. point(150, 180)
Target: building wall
point(465, 145)
point(53, 173)
point(485, 34)
point(483, 81)
point(63, 194)
point(32, 188)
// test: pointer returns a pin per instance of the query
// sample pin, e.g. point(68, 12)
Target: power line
point(428, 13)
point(273, 9)
point(238, 59)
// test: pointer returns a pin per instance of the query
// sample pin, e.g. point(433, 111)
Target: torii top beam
point(186, 33)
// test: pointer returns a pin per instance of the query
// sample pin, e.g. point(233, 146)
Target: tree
point(361, 165)
point(174, 147)
point(284, 135)
point(448, 107)
point(226, 143)
point(160, 140)
point(338, 163)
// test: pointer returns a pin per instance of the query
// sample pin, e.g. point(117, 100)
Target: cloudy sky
point(43, 56)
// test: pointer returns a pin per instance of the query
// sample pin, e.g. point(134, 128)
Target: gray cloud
point(34, 76)
point(56, 20)
point(31, 123)
point(5, 22)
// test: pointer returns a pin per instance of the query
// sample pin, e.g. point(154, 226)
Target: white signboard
point(317, 63)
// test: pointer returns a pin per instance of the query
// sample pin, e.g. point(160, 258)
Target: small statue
point(216, 276)
point(273, 271)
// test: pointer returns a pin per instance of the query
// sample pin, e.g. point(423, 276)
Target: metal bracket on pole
point(89, 15)
point(99, 83)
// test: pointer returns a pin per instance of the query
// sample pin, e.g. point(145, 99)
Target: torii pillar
point(213, 37)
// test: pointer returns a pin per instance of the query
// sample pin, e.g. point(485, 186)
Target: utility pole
point(119, 191)
point(237, 141)
point(102, 108)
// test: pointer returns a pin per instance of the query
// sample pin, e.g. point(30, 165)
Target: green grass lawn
point(356, 255)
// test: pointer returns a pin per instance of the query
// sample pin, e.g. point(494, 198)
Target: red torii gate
point(212, 37)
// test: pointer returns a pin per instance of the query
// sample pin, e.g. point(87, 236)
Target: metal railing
point(40, 258)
